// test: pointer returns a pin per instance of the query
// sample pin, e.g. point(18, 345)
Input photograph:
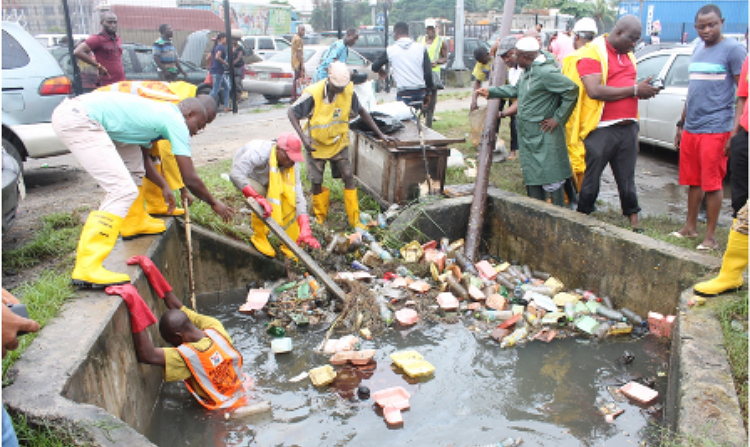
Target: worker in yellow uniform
point(164, 173)
point(203, 355)
point(437, 50)
point(329, 105)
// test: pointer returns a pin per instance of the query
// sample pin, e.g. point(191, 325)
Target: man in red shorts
point(707, 119)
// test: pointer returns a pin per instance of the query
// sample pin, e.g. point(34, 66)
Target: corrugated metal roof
point(180, 19)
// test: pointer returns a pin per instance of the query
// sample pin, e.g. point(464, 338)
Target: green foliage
point(42, 435)
point(43, 298)
point(736, 344)
point(57, 237)
point(354, 15)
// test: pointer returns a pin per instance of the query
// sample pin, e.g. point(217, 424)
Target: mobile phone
point(658, 83)
point(20, 310)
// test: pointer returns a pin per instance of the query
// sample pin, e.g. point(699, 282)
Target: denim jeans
point(221, 81)
point(9, 434)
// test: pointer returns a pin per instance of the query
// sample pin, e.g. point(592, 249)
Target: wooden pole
point(316, 270)
point(484, 157)
point(189, 238)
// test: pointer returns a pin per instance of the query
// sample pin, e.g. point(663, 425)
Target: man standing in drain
point(329, 105)
point(267, 172)
point(203, 356)
point(438, 53)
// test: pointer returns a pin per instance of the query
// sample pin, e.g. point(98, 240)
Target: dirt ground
point(59, 184)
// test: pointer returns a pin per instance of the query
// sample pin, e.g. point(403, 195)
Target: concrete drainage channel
point(92, 383)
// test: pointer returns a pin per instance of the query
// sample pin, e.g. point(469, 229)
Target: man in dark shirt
point(104, 51)
point(165, 56)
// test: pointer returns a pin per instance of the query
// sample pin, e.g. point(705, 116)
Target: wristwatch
point(680, 124)
point(502, 114)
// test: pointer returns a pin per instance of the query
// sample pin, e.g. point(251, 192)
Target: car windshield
point(286, 56)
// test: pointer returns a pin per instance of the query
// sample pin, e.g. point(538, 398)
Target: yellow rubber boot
point(97, 240)
point(260, 237)
point(351, 202)
point(320, 205)
point(138, 222)
point(730, 276)
point(293, 232)
point(155, 204)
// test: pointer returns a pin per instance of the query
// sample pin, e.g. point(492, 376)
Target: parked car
point(52, 40)
point(12, 187)
point(33, 85)
point(265, 46)
point(659, 115)
point(308, 39)
point(273, 78)
point(139, 65)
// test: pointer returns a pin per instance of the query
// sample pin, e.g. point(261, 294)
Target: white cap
point(430, 23)
point(528, 44)
point(586, 25)
point(338, 74)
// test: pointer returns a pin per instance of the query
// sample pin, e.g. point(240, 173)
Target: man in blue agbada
point(546, 99)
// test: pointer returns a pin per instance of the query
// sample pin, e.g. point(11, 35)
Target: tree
point(604, 14)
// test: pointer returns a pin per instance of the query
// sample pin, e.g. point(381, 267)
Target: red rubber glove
point(141, 316)
point(155, 278)
point(249, 192)
point(305, 234)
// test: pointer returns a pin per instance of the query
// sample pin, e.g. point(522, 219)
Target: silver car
point(273, 78)
point(33, 85)
point(659, 115)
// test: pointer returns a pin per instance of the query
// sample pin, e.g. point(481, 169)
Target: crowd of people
point(574, 111)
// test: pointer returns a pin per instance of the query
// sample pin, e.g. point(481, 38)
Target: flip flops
point(702, 247)
point(679, 235)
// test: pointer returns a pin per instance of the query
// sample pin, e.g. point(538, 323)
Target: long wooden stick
point(315, 269)
point(189, 238)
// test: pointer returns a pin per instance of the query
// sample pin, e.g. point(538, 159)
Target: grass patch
point(43, 298)
point(42, 435)
point(57, 237)
point(736, 344)
point(455, 95)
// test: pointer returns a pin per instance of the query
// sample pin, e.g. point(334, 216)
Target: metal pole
point(77, 84)
point(484, 157)
point(458, 51)
point(230, 56)
point(339, 17)
point(189, 241)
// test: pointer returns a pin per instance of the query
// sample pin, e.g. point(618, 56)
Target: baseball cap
point(528, 44)
point(507, 44)
point(292, 145)
point(585, 25)
point(338, 74)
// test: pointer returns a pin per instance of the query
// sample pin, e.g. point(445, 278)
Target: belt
point(625, 123)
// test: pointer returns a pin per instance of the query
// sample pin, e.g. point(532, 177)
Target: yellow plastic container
point(323, 375)
point(402, 357)
point(418, 368)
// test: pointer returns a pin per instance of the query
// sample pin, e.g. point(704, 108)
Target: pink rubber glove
point(155, 278)
point(249, 192)
point(141, 316)
point(305, 234)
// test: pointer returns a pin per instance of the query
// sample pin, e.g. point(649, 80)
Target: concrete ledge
point(92, 382)
point(703, 402)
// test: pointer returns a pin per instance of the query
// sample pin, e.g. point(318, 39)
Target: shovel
point(189, 237)
point(425, 187)
point(316, 270)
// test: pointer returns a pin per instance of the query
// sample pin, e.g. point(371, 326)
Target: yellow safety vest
point(173, 92)
point(218, 371)
point(281, 192)
point(329, 124)
point(434, 50)
point(588, 112)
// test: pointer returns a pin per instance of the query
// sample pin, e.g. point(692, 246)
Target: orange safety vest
point(218, 371)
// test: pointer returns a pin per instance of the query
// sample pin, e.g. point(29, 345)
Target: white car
point(273, 78)
point(265, 46)
point(659, 115)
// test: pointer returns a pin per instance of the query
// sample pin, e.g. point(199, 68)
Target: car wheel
point(13, 150)
point(271, 98)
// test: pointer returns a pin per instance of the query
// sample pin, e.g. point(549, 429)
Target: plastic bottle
point(456, 287)
point(526, 270)
point(404, 272)
point(632, 316)
point(541, 275)
point(570, 310)
point(602, 330)
point(382, 221)
point(517, 293)
point(589, 296)
point(503, 279)
point(515, 337)
point(607, 302)
point(356, 265)
point(444, 243)
point(532, 319)
point(365, 218)
point(542, 290)
point(497, 315)
point(378, 250)
point(366, 236)
point(465, 263)
point(610, 313)
point(385, 312)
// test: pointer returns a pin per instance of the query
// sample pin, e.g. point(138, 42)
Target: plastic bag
point(386, 123)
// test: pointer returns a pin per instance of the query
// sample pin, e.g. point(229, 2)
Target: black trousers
point(738, 166)
point(616, 146)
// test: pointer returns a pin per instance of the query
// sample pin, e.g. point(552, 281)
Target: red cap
point(291, 144)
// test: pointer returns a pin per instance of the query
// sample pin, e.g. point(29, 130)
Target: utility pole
point(77, 83)
point(458, 59)
point(374, 8)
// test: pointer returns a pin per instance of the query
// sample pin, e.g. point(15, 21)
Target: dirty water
point(547, 394)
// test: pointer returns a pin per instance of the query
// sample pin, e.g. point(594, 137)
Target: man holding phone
point(14, 325)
